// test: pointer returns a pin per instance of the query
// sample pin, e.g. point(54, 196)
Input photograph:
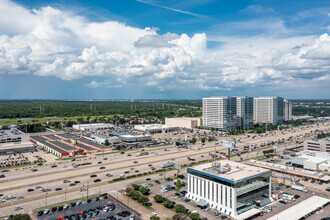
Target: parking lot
point(166, 188)
point(93, 210)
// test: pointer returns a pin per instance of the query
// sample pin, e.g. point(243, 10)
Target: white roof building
point(88, 127)
point(155, 128)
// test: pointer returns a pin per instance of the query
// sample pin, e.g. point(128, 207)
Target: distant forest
point(49, 108)
point(141, 108)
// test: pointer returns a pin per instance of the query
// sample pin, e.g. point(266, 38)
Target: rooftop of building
point(96, 125)
point(185, 118)
point(314, 153)
point(230, 170)
point(133, 135)
point(152, 126)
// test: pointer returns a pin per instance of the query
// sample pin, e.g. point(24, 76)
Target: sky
point(157, 49)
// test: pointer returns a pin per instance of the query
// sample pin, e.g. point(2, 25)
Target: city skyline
point(147, 49)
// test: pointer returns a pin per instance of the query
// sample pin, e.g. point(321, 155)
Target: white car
point(154, 214)
point(65, 207)
point(46, 211)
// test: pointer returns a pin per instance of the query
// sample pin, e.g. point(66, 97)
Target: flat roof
point(82, 146)
point(133, 136)
point(248, 214)
point(152, 127)
point(10, 146)
point(237, 172)
point(301, 209)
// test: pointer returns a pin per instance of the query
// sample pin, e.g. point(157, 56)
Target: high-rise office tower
point(287, 110)
point(268, 110)
point(244, 112)
point(220, 113)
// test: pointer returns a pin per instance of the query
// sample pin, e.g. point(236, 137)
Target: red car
point(149, 165)
point(60, 218)
point(80, 212)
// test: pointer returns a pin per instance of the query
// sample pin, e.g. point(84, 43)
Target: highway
point(17, 182)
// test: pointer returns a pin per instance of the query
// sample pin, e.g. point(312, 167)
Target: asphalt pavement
point(85, 207)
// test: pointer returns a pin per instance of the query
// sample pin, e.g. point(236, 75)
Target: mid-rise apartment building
point(244, 112)
point(268, 110)
point(220, 113)
point(287, 110)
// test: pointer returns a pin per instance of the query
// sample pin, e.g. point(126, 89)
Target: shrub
point(181, 216)
point(158, 198)
point(194, 216)
point(180, 209)
point(21, 217)
point(144, 191)
point(135, 187)
point(154, 218)
point(143, 200)
point(135, 195)
point(168, 204)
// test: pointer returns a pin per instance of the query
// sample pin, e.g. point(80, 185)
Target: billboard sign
point(275, 147)
point(73, 141)
point(228, 144)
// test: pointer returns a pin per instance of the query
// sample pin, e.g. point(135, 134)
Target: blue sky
point(163, 49)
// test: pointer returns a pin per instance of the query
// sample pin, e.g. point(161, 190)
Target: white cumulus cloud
point(52, 42)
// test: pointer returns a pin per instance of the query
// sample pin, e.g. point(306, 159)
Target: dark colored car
point(97, 180)
point(40, 213)
point(30, 190)
point(77, 181)
point(89, 200)
point(58, 189)
point(54, 209)
point(296, 196)
point(73, 204)
point(157, 181)
point(60, 208)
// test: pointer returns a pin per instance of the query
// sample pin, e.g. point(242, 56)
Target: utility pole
point(87, 189)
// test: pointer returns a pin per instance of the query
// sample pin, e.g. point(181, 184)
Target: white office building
point(220, 113)
point(184, 122)
point(244, 112)
point(287, 110)
point(230, 187)
point(268, 110)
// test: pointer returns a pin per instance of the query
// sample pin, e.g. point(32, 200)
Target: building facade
point(244, 112)
point(220, 113)
point(268, 110)
point(230, 187)
point(317, 145)
point(184, 122)
point(287, 110)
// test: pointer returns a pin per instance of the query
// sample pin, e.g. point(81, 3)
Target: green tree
point(194, 216)
point(158, 198)
point(21, 217)
point(143, 200)
point(193, 140)
point(168, 204)
point(106, 143)
point(135, 195)
point(180, 216)
point(144, 191)
point(154, 218)
point(203, 140)
point(180, 208)
point(136, 186)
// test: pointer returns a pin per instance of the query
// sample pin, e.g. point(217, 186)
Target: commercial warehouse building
point(184, 122)
point(230, 187)
point(91, 127)
point(131, 138)
point(65, 146)
point(154, 128)
point(101, 139)
point(13, 148)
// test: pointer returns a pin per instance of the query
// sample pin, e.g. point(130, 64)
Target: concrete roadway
point(52, 177)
